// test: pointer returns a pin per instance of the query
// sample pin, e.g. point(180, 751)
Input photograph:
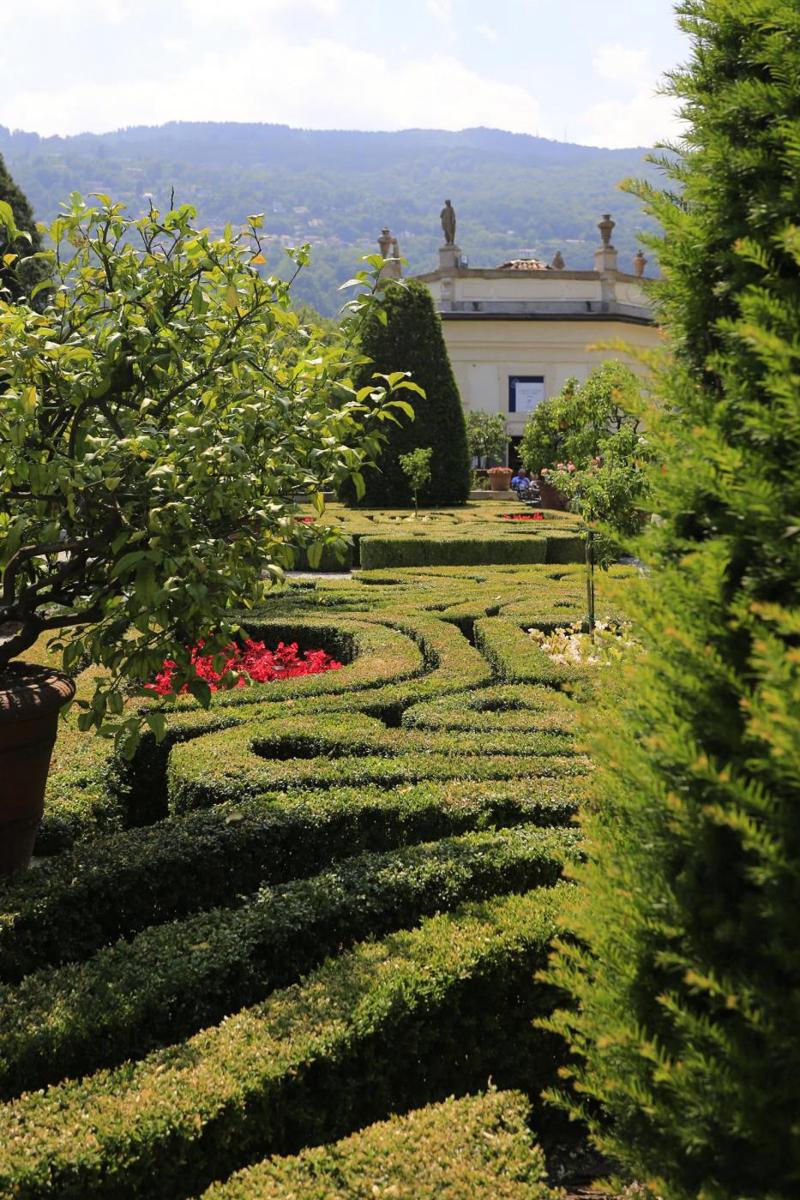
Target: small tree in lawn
point(407, 336)
point(417, 470)
point(486, 437)
point(683, 961)
point(158, 415)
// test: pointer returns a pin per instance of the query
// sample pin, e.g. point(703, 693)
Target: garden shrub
point(19, 277)
point(253, 759)
point(379, 552)
point(176, 978)
point(686, 974)
point(411, 340)
point(387, 1025)
point(478, 1147)
point(116, 886)
point(516, 657)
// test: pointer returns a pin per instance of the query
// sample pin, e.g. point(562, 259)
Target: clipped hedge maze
point(473, 534)
point(326, 905)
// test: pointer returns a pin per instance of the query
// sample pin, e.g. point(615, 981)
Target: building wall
point(486, 353)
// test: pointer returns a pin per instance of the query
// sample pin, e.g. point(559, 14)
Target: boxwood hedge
point(473, 1148)
point(285, 823)
point(173, 979)
point(386, 1025)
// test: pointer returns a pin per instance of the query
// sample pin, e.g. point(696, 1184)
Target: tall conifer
point(411, 339)
point(685, 971)
point(18, 278)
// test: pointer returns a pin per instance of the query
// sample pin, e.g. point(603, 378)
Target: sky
point(576, 70)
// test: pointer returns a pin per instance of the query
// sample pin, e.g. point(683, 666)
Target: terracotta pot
point(551, 497)
point(500, 479)
point(30, 699)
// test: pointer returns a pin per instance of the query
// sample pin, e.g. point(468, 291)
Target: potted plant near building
point(500, 478)
point(157, 416)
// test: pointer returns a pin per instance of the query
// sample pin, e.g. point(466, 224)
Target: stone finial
point(639, 264)
point(558, 263)
point(385, 242)
point(606, 227)
point(393, 268)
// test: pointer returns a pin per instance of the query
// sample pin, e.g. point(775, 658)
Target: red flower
point(253, 660)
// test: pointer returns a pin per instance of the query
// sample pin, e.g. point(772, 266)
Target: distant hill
point(514, 195)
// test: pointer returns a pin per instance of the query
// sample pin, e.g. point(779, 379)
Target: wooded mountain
point(515, 195)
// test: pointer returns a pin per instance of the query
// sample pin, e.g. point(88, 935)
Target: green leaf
point(314, 554)
point(201, 691)
point(157, 722)
point(7, 218)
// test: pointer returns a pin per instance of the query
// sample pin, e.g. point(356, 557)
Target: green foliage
point(385, 1026)
point(290, 820)
point(177, 978)
point(545, 431)
point(486, 437)
point(686, 971)
point(587, 442)
point(20, 242)
point(478, 550)
point(478, 1147)
point(158, 415)
point(416, 466)
point(407, 337)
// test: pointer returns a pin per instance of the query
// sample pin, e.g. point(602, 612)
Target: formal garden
point(402, 844)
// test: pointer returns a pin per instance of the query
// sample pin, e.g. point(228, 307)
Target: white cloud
point(486, 31)
point(442, 11)
point(637, 115)
point(256, 13)
point(318, 84)
point(642, 120)
point(623, 64)
point(113, 12)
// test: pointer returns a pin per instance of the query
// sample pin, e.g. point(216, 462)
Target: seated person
point(521, 481)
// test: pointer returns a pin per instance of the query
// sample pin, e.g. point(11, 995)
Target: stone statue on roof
point(448, 217)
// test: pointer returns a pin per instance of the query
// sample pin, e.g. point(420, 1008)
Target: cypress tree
point(19, 277)
point(683, 961)
point(411, 340)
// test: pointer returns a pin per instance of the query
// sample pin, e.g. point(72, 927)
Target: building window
point(525, 392)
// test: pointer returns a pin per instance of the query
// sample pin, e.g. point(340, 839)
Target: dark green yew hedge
point(457, 550)
point(385, 1026)
point(116, 886)
point(474, 1148)
point(173, 979)
point(505, 547)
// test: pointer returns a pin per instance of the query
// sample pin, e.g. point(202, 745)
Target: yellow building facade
point(516, 333)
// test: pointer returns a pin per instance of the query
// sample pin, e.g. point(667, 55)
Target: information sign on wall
point(525, 392)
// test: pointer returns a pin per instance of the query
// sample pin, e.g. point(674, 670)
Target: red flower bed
point(522, 516)
point(254, 659)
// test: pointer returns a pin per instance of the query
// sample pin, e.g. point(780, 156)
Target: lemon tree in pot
point(158, 415)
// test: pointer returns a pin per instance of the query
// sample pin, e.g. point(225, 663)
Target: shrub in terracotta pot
point(164, 399)
point(500, 478)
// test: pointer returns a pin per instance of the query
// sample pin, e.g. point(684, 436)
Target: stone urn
point(30, 699)
point(500, 478)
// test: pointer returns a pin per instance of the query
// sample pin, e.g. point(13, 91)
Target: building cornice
point(493, 273)
point(595, 316)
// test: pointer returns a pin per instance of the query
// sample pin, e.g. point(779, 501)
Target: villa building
point(517, 332)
